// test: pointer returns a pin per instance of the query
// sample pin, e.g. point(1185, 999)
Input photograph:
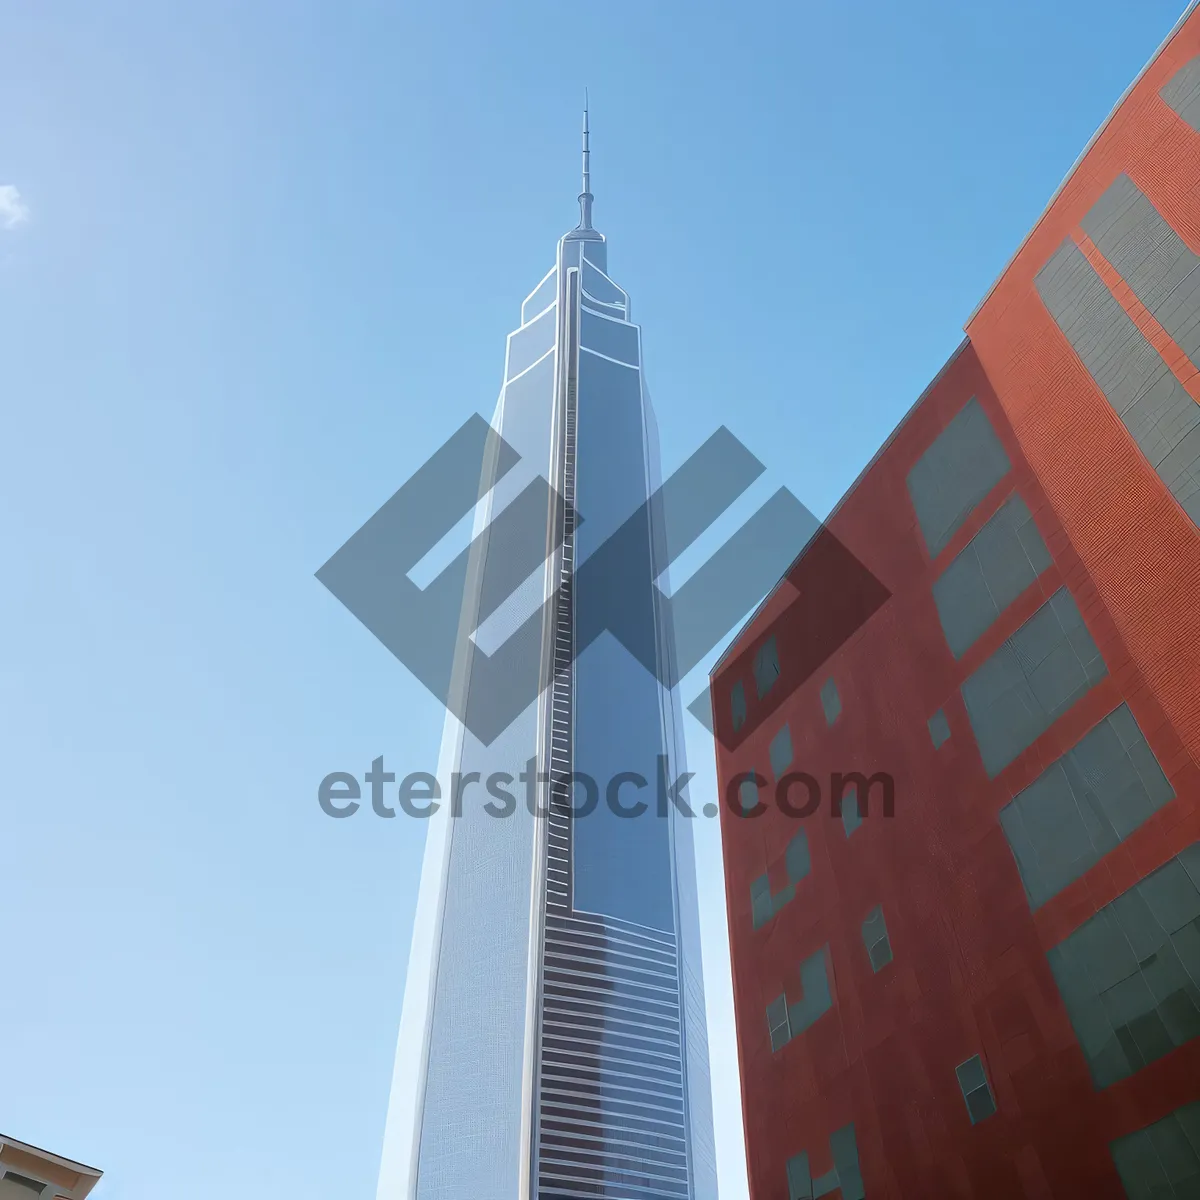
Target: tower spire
point(585, 197)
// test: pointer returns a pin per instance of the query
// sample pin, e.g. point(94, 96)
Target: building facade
point(553, 1038)
point(29, 1173)
point(979, 976)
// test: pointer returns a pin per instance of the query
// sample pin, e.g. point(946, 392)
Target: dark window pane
point(766, 667)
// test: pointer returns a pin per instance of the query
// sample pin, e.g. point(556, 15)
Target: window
point(761, 907)
point(764, 905)
point(963, 463)
point(799, 1178)
point(737, 705)
point(780, 752)
point(786, 1021)
point(831, 702)
point(1130, 975)
point(1083, 805)
point(1162, 1160)
point(972, 1079)
point(18, 1187)
point(1035, 677)
point(939, 729)
point(994, 568)
point(851, 816)
point(798, 861)
point(766, 667)
point(817, 999)
point(846, 1175)
point(777, 1023)
point(875, 938)
point(748, 795)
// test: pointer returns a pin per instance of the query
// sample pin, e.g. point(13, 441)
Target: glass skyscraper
point(552, 1041)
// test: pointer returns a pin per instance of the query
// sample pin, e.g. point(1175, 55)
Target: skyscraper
point(552, 1041)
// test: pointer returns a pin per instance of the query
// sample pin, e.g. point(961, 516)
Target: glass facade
point(553, 1039)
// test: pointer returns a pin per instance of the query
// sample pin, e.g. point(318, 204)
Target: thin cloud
point(13, 210)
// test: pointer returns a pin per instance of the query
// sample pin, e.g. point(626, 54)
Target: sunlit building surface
point(995, 990)
point(553, 1037)
point(29, 1173)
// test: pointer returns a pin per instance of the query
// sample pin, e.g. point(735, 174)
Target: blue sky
point(268, 257)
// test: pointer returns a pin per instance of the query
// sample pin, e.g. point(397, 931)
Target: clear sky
point(259, 262)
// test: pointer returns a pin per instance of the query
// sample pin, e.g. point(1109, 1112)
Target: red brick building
point(995, 992)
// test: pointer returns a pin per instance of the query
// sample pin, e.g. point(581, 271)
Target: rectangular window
point(1084, 805)
point(748, 795)
point(972, 1079)
point(799, 863)
point(764, 905)
point(780, 752)
point(845, 1178)
point(1162, 1160)
point(963, 463)
point(19, 1187)
point(993, 569)
point(817, 999)
point(831, 701)
point(1035, 677)
point(1130, 976)
point(875, 938)
point(737, 704)
point(799, 1178)
point(851, 817)
point(761, 908)
point(777, 1023)
point(939, 729)
point(766, 667)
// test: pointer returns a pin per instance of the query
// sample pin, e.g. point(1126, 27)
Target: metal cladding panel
point(531, 342)
point(597, 286)
point(1182, 92)
point(1162, 418)
point(1152, 258)
point(611, 337)
point(541, 297)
